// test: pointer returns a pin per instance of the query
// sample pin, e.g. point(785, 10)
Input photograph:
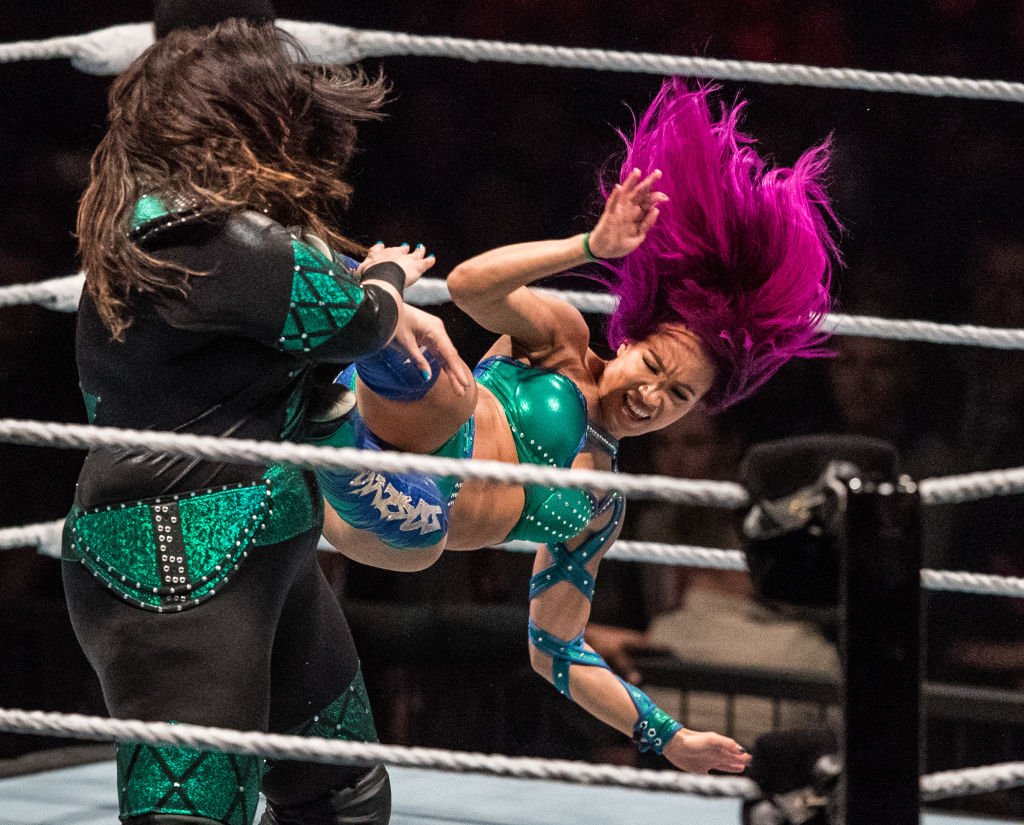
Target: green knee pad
point(348, 717)
point(167, 780)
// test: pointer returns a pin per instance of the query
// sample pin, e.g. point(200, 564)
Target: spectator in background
point(875, 390)
point(981, 639)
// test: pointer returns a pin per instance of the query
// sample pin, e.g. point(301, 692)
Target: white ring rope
point(981, 584)
point(924, 331)
point(46, 537)
point(245, 451)
point(62, 295)
point(969, 781)
point(972, 486)
point(337, 752)
point(110, 50)
point(724, 494)
point(59, 294)
point(332, 751)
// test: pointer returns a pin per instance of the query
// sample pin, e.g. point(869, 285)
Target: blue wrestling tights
point(391, 374)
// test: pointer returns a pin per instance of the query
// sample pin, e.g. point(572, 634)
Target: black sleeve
point(367, 331)
point(260, 281)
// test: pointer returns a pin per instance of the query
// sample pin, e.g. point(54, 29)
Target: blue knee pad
point(406, 511)
point(391, 374)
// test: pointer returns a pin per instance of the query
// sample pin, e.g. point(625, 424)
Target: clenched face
point(653, 382)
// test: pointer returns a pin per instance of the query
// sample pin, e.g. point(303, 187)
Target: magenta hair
point(741, 253)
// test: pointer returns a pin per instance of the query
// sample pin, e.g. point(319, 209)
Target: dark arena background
point(475, 155)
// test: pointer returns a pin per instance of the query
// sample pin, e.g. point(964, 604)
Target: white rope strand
point(969, 781)
point(972, 486)
point(109, 51)
point(46, 537)
point(62, 294)
point(945, 490)
point(927, 332)
point(50, 49)
point(336, 752)
point(651, 552)
point(59, 294)
point(982, 584)
point(244, 451)
point(943, 785)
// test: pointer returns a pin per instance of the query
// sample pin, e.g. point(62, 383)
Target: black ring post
point(880, 637)
point(833, 530)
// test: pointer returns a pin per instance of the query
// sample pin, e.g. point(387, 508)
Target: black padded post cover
point(801, 567)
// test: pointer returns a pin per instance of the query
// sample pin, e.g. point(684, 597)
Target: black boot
point(367, 802)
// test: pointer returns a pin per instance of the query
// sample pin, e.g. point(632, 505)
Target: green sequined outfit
point(192, 584)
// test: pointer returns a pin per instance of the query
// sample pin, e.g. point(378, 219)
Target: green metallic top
point(547, 414)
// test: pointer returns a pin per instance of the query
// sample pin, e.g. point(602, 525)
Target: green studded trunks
point(174, 552)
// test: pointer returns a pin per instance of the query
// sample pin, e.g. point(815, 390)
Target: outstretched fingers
point(413, 262)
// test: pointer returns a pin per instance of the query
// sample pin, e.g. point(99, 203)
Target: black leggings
point(266, 653)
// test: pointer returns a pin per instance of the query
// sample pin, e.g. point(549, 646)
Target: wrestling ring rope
point(62, 294)
point(944, 785)
point(109, 50)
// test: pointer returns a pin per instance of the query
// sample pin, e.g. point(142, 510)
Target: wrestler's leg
point(208, 665)
point(367, 547)
point(317, 690)
point(403, 409)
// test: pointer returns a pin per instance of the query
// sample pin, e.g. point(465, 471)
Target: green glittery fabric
point(123, 548)
point(348, 717)
point(169, 780)
point(293, 508)
point(547, 415)
point(92, 402)
point(459, 445)
point(322, 300)
point(217, 529)
point(148, 208)
point(117, 546)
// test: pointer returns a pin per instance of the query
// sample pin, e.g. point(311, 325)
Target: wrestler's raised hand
point(418, 329)
point(414, 262)
point(629, 213)
point(699, 752)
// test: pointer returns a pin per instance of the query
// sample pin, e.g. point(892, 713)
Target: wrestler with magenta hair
point(722, 268)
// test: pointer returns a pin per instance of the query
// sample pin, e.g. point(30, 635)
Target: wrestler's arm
point(493, 287)
point(563, 612)
point(366, 548)
point(260, 280)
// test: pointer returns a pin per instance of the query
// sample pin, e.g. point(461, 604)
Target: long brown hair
point(229, 118)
